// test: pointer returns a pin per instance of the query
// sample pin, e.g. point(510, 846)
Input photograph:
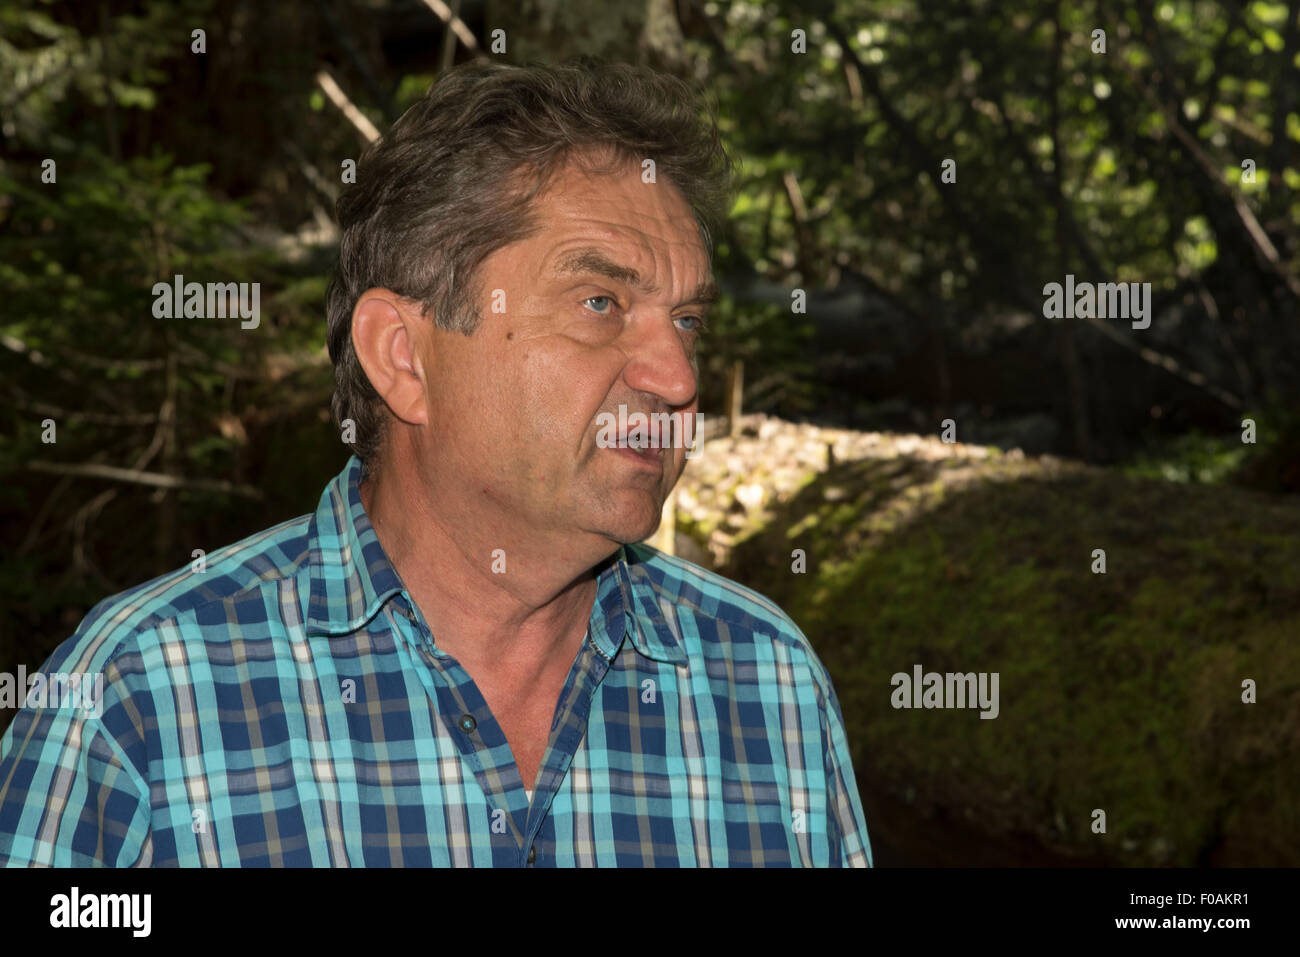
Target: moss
point(1119, 691)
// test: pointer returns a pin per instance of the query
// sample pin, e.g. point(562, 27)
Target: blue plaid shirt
point(288, 705)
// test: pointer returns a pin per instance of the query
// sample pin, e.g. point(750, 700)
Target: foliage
point(1191, 457)
point(1272, 464)
point(1124, 165)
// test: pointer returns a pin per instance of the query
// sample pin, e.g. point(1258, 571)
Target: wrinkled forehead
point(620, 199)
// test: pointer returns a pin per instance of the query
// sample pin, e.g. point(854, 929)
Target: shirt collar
point(351, 578)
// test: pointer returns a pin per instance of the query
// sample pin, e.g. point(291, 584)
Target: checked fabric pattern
point(289, 706)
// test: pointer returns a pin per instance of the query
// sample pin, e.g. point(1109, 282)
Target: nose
point(660, 363)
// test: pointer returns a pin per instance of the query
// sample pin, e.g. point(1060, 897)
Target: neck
point(489, 592)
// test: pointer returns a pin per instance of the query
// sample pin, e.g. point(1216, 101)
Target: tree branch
point(152, 479)
point(330, 86)
point(457, 25)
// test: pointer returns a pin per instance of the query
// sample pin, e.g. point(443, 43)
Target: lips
point(643, 436)
point(640, 442)
point(641, 450)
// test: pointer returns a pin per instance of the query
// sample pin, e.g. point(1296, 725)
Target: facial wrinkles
point(629, 234)
point(665, 269)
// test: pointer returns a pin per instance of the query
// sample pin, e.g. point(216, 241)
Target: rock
point(750, 496)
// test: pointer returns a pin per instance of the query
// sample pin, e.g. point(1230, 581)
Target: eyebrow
point(592, 261)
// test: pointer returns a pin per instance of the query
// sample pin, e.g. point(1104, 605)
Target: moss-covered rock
point(1119, 691)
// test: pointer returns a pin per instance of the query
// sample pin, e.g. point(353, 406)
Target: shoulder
point(135, 617)
point(696, 589)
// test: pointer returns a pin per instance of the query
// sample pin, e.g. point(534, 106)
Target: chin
point(633, 524)
point(625, 533)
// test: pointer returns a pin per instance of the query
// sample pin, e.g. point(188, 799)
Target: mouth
point(642, 449)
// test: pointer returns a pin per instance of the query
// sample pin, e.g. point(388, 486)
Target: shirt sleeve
point(69, 796)
point(843, 803)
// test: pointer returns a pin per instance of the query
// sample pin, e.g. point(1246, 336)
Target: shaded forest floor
point(1120, 691)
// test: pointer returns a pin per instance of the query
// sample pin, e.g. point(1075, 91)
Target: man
point(461, 658)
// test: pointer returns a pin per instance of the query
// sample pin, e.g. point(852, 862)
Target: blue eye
point(700, 324)
point(605, 298)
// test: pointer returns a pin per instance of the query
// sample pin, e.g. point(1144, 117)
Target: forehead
point(615, 207)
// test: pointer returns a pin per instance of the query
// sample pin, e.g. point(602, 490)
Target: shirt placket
point(568, 728)
point(485, 751)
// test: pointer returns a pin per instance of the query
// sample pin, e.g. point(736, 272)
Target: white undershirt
point(529, 793)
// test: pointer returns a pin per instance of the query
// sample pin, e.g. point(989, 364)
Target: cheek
point(568, 384)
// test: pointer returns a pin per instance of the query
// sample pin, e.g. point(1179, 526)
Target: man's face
point(601, 307)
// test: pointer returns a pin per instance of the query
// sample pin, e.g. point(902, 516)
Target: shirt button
point(467, 723)
point(532, 853)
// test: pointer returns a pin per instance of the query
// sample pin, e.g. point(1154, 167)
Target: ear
point(388, 332)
